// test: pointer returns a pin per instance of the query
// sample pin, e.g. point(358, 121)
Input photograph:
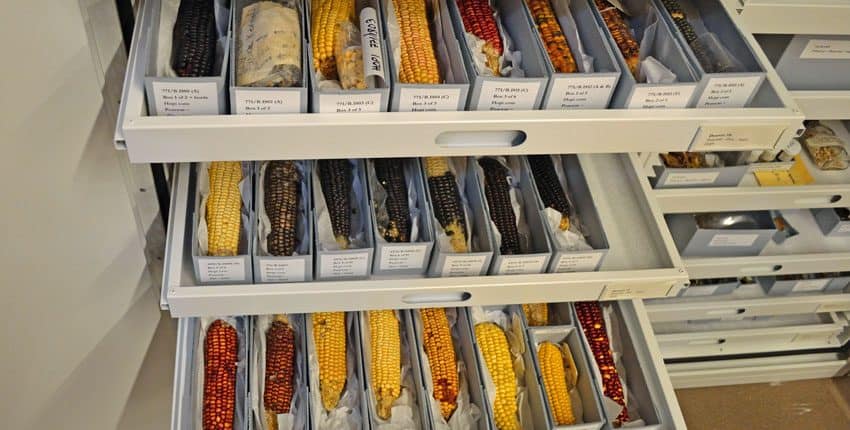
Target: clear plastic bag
point(826, 149)
point(348, 51)
point(728, 221)
point(713, 56)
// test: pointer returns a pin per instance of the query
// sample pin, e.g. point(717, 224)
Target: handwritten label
point(655, 97)
point(185, 98)
point(724, 240)
point(502, 95)
point(810, 285)
point(289, 270)
point(428, 99)
point(585, 262)
point(221, 269)
point(733, 92)
point(691, 178)
point(585, 92)
point(267, 101)
point(403, 257)
point(736, 137)
point(348, 265)
point(373, 56)
point(350, 103)
point(521, 265)
point(632, 291)
point(463, 265)
point(705, 290)
point(824, 49)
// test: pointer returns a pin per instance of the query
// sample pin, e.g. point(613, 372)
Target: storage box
point(710, 287)
point(374, 99)
point(452, 93)
point(444, 261)
point(533, 239)
point(780, 286)
point(816, 63)
point(294, 268)
point(632, 94)
point(733, 89)
point(333, 263)
point(589, 88)
point(409, 258)
point(695, 241)
point(702, 177)
point(559, 314)
point(246, 100)
point(833, 222)
point(211, 270)
point(506, 93)
point(168, 94)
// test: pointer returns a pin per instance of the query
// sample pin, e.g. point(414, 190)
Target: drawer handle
point(738, 311)
point(481, 139)
point(414, 299)
point(707, 342)
point(814, 201)
point(761, 269)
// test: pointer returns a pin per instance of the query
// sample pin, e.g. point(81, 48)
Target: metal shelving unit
point(793, 16)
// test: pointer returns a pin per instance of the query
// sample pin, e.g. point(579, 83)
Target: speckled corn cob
point(418, 61)
point(497, 192)
point(386, 359)
point(326, 16)
point(555, 383)
point(620, 31)
point(593, 325)
point(390, 174)
point(445, 198)
point(329, 336)
point(478, 19)
point(280, 370)
point(552, 36)
point(281, 198)
point(493, 344)
point(437, 340)
point(224, 208)
point(681, 20)
point(549, 187)
point(221, 351)
point(336, 179)
point(194, 39)
point(537, 314)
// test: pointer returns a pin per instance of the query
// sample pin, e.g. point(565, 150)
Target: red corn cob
point(478, 19)
point(280, 369)
point(220, 357)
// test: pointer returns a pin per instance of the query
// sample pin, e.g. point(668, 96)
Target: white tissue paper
point(359, 218)
point(379, 197)
point(652, 70)
point(347, 414)
point(297, 416)
point(239, 324)
point(302, 230)
point(203, 181)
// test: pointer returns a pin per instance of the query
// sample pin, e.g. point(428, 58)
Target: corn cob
point(555, 383)
point(385, 344)
point(681, 20)
point(418, 61)
point(437, 340)
point(221, 346)
point(622, 34)
point(445, 198)
point(326, 16)
point(281, 198)
point(493, 344)
point(329, 337)
point(549, 187)
point(537, 314)
point(336, 178)
point(280, 370)
point(497, 191)
point(194, 39)
point(593, 325)
point(390, 174)
point(224, 208)
point(478, 19)
point(552, 36)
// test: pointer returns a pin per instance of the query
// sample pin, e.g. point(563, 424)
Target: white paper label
point(810, 285)
point(702, 290)
point(185, 98)
point(350, 103)
point(273, 270)
point(521, 265)
point(691, 178)
point(843, 228)
point(355, 264)
point(403, 257)
point(221, 269)
point(653, 97)
point(771, 167)
point(463, 265)
point(268, 101)
point(733, 240)
point(373, 57)
point(586, 262)
point(505, 95)
point(823, 49)
point(733, 92)
point(428, 99)
point(586, 92)
point(736, 137)
point(639, 291)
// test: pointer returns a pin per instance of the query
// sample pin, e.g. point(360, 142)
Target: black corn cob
point(281, 198)
point(194, 39)
point(445, 198)
point(390, 174)
point(551, 192)
point(681, 20)
point(497, 191)
point(336, 177)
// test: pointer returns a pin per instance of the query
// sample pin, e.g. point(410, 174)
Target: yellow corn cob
point(326, 15)
point(555, 382)
point(493, 345)
point(537, 314)
point(418, 61)
point(386, 359)
point(446, 200)
point(437, 339)
point(329, 336)
point(224, 207)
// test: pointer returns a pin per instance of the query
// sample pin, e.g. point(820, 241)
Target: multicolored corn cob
point(329, 335)
point(478, 19)
point(390, 174)
point(497, 192)
point(336, 178)
point(445, 198)
point(326, 16)
point(537, 314)
point(280, 370)
point(437, 340)
point(281, 199)
point(552, 36)
point(194, 39)
point(385, 343)
point(493, 344)
point(615, 20)
point(224, 208)
point(221, 352)
point(549, 187)
point(418, 61)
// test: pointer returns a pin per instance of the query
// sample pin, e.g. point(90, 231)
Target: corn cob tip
point(493, 56)
point(271, 419)
point(456, 234)
point(565, 223)
point(342, 241)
